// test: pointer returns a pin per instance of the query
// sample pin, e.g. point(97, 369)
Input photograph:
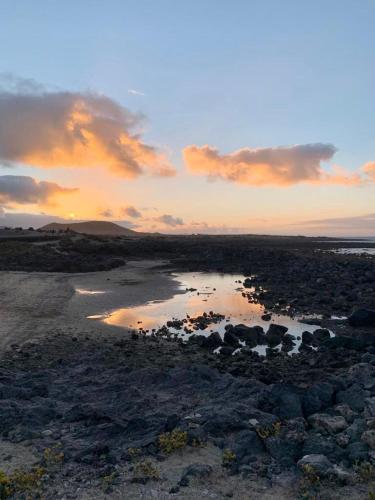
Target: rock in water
point(253, 335)
point(321, 334)
point(362, 317)
point(275, 334)
point(213, 341)
point(231, 339)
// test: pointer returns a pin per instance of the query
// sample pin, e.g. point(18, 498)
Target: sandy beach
point(36, 304)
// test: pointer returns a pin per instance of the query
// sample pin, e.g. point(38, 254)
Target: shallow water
point(220, 293)
point(355, 251)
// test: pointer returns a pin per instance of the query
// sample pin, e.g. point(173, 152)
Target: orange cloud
point(369, 170)
point(71, 129)
point(280, 166)
point(22, 190)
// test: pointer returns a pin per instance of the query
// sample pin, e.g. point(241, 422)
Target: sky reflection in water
point(220, 293)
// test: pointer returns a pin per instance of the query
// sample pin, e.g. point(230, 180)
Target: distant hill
point(95, 227)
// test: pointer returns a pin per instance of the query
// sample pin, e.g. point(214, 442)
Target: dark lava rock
point(357, 452)
point(317, 398)
point(368, 358)
point(344, 342)
point(275, 334)
point(354, 397)
point(325, 445)
point(307, 337)
point(227, 350)
point(362, 317)
point(251, 335)
point(213, 341)
point(321, 335)
point(195, 470)
point(247, 443)
point(319, 464)
point(285, 451)
point(267, 317)
point(285, 401)
point(247, 283)
point(231, 339)
point(172, 422)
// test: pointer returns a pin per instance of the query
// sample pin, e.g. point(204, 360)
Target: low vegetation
point(270, 431)
point(146, 470)
point(21, 482)
point(172, 441)
point(228, 457)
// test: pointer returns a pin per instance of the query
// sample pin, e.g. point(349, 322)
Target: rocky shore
point(100, 414)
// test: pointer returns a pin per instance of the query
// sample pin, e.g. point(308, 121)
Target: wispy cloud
point(135, 92)
point(74, 129)
point(278, 166)
point(349, 226)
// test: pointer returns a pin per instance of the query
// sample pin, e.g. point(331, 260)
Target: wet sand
point(36, 304)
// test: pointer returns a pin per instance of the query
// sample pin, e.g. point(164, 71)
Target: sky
point(189, 117)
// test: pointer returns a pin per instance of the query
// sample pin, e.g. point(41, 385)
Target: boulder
point(357, 452)
point(368, 437)
point(275, 334)
point(307, 337)
point(213, 341)
point(251, 335)
point(318, 463)
point(322, 445)
point(345, 410)
point(231, 339)
point(321, 335)
point(362, 317)
point(196, 470)
point(368, 358)
point(247, 443)
point(356, 429)
point(286, 401)
point(227, 350)
point(354, 397)
point(344, 342)
point(327, 424)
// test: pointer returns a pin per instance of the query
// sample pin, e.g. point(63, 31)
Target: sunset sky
point(202, 116)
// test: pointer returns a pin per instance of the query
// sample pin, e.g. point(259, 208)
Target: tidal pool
point(355, 251)
point(204, 292)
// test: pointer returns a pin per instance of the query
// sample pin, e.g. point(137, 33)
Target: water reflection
point(355, 251)
point(220, 293)
point(83, 291)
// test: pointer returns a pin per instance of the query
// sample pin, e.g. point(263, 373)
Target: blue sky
point(241, 74)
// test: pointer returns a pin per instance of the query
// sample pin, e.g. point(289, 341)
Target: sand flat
point(34, 304)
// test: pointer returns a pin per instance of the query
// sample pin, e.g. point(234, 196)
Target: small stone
point(47, 433)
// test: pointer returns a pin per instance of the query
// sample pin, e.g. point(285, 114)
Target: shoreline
point(35, 304)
